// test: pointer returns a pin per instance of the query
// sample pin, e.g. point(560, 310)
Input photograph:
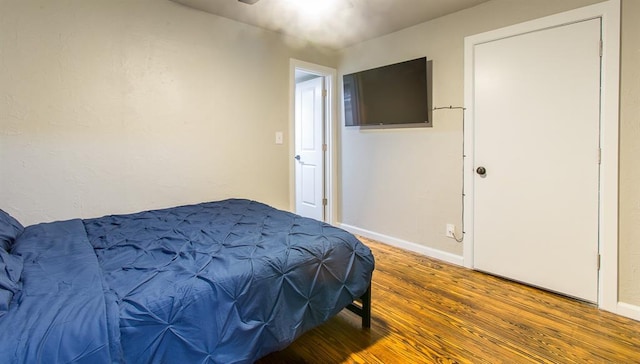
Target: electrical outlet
point(451, 230)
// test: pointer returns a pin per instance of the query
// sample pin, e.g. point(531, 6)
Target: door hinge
point(599, 155)
point(598, 261)
point(324, 93)
point(324, 202)
point(324, 147)
point(601, 47)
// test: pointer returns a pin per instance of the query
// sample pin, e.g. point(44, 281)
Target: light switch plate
point(279, 137)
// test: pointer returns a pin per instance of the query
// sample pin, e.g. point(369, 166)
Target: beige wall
point(629, 269)
point(121, 105)
point(406, 183)
point(110, 106)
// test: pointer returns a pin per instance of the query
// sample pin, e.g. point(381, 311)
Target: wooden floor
point(427, 311)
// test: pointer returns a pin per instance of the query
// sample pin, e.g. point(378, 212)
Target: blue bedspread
point(61, 314)
point(221, 282)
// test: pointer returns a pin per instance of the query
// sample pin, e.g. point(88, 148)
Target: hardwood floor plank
point(427, 311)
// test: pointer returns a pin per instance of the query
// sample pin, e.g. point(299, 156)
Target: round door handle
point(297, 157)
point(481, 171)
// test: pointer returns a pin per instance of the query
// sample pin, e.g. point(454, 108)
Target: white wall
point(110, 106)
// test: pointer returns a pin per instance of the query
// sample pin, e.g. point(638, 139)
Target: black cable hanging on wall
point(459, 240)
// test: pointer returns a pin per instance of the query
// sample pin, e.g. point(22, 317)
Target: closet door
point(536, 156)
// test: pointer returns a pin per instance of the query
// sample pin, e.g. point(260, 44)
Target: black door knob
point(481, 171)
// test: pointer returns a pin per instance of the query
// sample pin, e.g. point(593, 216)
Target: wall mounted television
point(392, 96)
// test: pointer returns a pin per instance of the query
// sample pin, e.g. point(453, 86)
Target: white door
point(536, 121)
point(309, 140)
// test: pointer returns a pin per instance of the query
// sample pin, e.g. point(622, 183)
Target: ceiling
point(332, 23)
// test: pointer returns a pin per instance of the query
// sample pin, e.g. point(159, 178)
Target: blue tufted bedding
point(219, 282)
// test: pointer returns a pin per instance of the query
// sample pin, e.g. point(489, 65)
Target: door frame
point(330, 175)
point(609, 12)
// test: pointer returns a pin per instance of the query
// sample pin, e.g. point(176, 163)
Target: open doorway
point(312, 149)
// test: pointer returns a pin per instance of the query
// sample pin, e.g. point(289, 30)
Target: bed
point(218, 282)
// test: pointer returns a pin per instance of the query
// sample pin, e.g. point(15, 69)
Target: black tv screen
point(397, 95)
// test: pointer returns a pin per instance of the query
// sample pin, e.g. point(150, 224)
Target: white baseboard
point(406, 245)
point(629, 310)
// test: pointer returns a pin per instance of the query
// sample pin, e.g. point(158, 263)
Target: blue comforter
point(221, 282)
point(61, 314)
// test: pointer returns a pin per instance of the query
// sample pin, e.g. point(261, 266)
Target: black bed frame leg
point(366, 308)
point(363, 310)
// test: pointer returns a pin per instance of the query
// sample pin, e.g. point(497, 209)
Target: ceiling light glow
point(314, 8)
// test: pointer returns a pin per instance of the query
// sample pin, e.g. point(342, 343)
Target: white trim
point(609, 138)
point(330, 76)
point(609, 12)
point(628, 310)
point(406, 245)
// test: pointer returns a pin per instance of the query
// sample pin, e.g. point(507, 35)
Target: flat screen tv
point(397, 95)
